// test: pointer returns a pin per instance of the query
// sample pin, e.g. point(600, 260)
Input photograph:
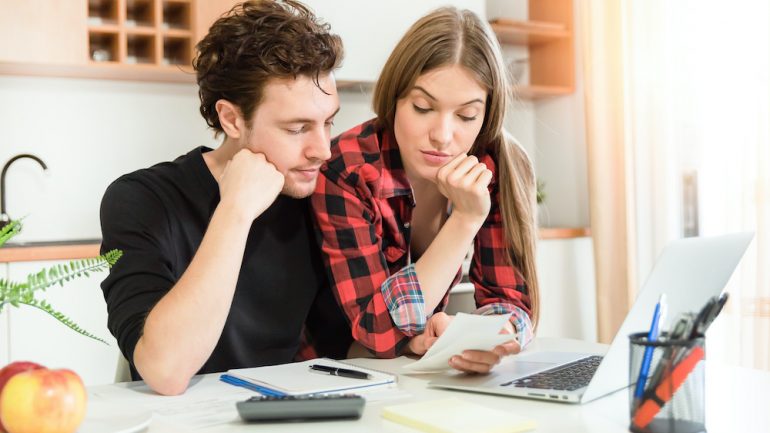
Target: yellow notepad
point(453, 415)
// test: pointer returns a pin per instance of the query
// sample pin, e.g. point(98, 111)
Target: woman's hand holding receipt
point(481, 342)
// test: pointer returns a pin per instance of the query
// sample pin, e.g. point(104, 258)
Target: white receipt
point(465, 332)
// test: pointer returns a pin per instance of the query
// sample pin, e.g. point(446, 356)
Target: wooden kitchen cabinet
point(145, 40)
point(160, 33)
point(156, 33)
point(548, 35)
point(207, 11)
point(43, 31)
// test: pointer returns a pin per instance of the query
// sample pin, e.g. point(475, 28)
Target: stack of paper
point(453, 415)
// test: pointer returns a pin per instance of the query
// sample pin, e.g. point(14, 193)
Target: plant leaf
point(66, 321)
point(17, 294)
point(9, 230)
point(58, 274)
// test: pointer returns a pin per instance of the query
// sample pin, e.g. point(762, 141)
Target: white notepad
point(298, 379)
point(453, 415)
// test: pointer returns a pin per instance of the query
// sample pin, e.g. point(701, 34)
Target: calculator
point(301, 407)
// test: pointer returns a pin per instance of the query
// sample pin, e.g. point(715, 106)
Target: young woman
point(406, 194)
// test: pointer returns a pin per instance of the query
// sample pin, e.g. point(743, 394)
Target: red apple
point(16, 367)
point(11, 370)
point(43, 401)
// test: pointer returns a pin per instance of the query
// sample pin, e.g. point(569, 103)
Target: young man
point(220, 268)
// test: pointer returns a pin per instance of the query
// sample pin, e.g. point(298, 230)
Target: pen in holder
point(673, 399)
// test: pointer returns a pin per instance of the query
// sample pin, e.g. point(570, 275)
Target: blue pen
point(644, 370)
point(232, 380)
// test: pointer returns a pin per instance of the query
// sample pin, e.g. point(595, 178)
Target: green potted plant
point(27, 292)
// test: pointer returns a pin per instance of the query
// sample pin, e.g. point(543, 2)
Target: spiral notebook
point(298, 379)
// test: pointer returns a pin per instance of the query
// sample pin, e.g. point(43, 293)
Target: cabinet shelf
point(547, 33)
point(177, 14)
point(141, 32)
point(545, 233)
point(139, 13)
point(102, 12)
point(176, 51)
point(140, 49)
point(534, 92)
point(528, 33)
point(104, 28)
point(103, 45)
point(177, 33)
point(103, 70)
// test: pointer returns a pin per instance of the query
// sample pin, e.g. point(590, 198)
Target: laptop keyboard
point(567, 377)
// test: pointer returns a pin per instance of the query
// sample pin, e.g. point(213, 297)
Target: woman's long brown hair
point(445, 37)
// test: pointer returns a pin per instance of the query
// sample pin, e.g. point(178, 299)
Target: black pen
point(708, 313)
point(342, 372)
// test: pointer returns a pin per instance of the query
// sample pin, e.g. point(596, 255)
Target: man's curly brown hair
point(257, 41)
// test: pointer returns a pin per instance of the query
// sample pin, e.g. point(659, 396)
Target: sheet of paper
point(465, 332)
point(207, 402)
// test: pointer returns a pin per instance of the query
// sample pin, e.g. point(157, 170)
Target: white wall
point(88, 132)
point(355, 107)
point(561, 151)
point(371, 28)
point(553, 132)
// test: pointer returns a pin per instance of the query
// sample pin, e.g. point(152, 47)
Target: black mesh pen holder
point(670, 397)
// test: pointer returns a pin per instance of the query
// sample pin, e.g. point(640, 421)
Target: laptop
point(689, 271)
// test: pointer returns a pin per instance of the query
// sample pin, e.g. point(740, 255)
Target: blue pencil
point(232, 380)
point(644, 370)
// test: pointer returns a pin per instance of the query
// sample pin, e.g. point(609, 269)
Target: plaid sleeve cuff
point(404, 300)
point(519, 320)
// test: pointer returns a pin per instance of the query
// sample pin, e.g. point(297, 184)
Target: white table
point(737, 400)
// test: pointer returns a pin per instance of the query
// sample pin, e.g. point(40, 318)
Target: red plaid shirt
point(363, 205)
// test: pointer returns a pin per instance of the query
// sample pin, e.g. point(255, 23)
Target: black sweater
point(158, 216)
